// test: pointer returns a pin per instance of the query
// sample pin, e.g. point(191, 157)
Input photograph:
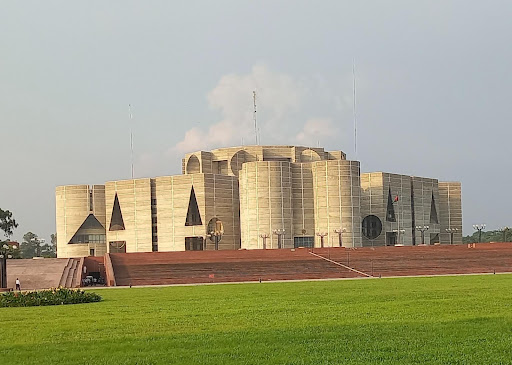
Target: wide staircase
point(426, 260)
point(222, 266)
point(163, 268)
point(42, 273)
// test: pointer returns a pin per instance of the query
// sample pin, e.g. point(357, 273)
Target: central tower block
point(266, 208)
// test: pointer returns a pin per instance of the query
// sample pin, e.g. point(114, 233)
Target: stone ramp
point(39, 273)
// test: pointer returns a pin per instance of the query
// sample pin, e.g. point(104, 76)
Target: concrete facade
point(256, 197)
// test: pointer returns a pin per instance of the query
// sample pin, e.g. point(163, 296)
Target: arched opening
point(236, 162)
point(309, 156)
point(215, 230)
point(193, 165)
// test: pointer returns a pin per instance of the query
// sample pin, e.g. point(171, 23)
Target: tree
point(7, 222)
point(31, 246)
point(48, 250)
point(54, 242)
point(7, 225)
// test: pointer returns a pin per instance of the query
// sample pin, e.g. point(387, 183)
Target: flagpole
point(398, 220)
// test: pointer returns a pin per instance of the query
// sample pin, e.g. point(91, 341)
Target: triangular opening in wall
point(433, 211)
point(116, 223)
point(90, 223)
point(193, 215)
point(390, 210)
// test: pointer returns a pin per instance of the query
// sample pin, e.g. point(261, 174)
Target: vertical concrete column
point(450, 211)
point(337, 192)
point(266, 203)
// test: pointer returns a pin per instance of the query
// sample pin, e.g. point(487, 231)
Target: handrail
point(79, 275)
point(65, 273)
point(339, 264)
point(109, 271)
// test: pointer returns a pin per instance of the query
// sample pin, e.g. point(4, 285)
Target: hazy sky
point(433, 84)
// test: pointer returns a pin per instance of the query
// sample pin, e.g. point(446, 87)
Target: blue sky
point(433, 86)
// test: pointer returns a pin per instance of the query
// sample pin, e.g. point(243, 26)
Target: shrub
point(57, 296)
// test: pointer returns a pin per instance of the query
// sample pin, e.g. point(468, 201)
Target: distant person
point(18, 284)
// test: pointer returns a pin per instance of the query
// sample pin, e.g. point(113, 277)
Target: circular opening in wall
point(372, 227)
point(215, 229)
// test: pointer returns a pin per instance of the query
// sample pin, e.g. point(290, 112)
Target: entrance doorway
point(391, 238)
point(194, 244)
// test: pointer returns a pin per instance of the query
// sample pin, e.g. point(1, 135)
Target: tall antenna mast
point(354, 105)
point(254, 116)
point(131, 137)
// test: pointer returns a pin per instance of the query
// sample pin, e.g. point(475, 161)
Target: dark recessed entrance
point(391, 238)
point(194, 244)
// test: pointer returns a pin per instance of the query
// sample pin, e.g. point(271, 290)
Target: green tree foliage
point(7, 223)
point(489, 236)
point(48, 250)
point(54, 243)
point(31, 246)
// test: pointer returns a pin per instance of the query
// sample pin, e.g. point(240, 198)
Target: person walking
point(18, 284)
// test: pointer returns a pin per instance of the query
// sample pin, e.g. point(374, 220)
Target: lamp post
point(340, 232)
point(264, 236)
point(479, 228)
point(280, 233)
point(451, 231)
point(5, 254)
point(504, 230)
point(321, 235)
point(422, 229)
point(216, 235)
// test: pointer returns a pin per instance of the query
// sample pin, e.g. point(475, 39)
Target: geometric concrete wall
point(312, 196)
point(266, 203)
point(155, 212)
point(450, 212)
point(337, 194)
point(134, 198)
point(419, 204)
point(217, 198)
point(388, 197)
point(78, 234)
point(426, 209)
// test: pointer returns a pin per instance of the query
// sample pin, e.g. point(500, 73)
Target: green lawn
point(444, 320)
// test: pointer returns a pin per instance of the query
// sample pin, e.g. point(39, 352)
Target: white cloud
point(316, 130)
point(278, 96)
point(289, 111)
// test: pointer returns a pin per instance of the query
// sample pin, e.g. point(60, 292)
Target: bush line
point(58, 296)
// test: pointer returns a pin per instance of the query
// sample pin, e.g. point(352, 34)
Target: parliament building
point(258, 197)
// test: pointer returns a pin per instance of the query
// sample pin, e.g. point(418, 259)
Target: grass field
point(443, 320)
